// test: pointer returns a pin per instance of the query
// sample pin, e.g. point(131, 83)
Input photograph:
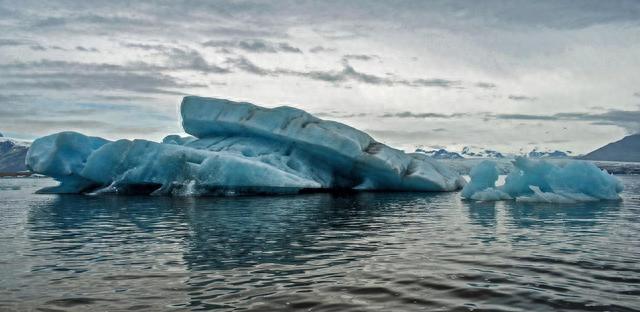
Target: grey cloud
point(179, 58)
point(124, 97)
point(443, 83)
point(20, 42)
point(360, 57)
point(485, 85)
point(146, 46)
point(524, 117)
point(347, 74)
point(243, 32)
point(407, 114)
point(85, 49)
point(35, 117)
point(60, 75)
point(10, 42)
point(337, 114)
point(191, 60)
point(107, 21)
point(637, 94)
point(288, 48)
point(244, 64)
point(319, 49)
point(49, 22)
point(253, 45)
point(629, 120)
point(521, 98)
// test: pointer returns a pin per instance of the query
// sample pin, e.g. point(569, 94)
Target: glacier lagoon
point(318, 252)
point(238, 148)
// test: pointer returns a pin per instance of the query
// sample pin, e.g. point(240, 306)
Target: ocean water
point(316, 252)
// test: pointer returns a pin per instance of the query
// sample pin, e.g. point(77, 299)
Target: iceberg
point(237, 148)
point(543, 181)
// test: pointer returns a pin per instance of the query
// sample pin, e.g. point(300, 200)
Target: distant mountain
point(469, 152)
point(535, 153)
point(439, 154)
point(12, 155)
point(627, 149)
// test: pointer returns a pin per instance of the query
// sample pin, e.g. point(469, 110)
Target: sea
point(315, 252)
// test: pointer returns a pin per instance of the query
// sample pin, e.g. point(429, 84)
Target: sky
point(506, 75)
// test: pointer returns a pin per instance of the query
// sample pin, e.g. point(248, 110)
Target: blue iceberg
point(237, 148)
point(543, 181)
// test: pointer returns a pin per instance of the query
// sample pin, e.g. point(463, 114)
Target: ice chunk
point(238, 148)
point(542, 181)
point(482, 184)
point(63, 156)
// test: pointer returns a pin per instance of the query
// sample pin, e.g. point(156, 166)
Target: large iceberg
point(543, 181)
point(237, 148)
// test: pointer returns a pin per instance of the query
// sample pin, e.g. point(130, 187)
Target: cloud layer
point(490, 73)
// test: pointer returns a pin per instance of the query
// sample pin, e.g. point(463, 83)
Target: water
point(320, 252)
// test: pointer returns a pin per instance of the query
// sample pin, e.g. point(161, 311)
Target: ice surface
point(237, 148)
point(543, 181)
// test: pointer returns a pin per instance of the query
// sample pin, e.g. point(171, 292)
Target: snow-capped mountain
point(439, 153)
point(12, 155)
point(535, 153)
point(473, 152)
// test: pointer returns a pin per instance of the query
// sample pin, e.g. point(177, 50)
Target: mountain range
point(473, 153)
point(12, 155)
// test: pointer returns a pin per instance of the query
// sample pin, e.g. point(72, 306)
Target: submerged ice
point(237, 148)
point(542, 181)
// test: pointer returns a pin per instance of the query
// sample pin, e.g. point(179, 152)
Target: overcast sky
point(507, 75)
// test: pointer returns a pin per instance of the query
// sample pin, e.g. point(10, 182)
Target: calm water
point(370, 251)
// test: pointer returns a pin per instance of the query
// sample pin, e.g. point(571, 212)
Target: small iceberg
point(236, 148)
point(543, 181)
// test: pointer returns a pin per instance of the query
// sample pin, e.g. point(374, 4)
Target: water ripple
point(322, 252)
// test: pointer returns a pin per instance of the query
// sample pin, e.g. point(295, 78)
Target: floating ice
point(237, 148)
point(542, 181)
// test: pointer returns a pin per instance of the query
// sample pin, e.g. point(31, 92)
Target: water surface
point(316, 252)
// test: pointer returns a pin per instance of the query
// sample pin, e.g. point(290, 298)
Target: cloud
point(521, 98)
point(436, 82)
point(285, 47)
point(33, 45)
point(629, 120)
point(360, 57)
point(253, 45)
point(246, 65)
point(189, 59)
point(84, 49)
point(486, 85)
point(178, 58)
point(407, 114)
point(40, 116)
point(11, 42)
point(346, 74)
point(72, 76)
point(319, 49)
point(524, 117)
point(337, 114)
